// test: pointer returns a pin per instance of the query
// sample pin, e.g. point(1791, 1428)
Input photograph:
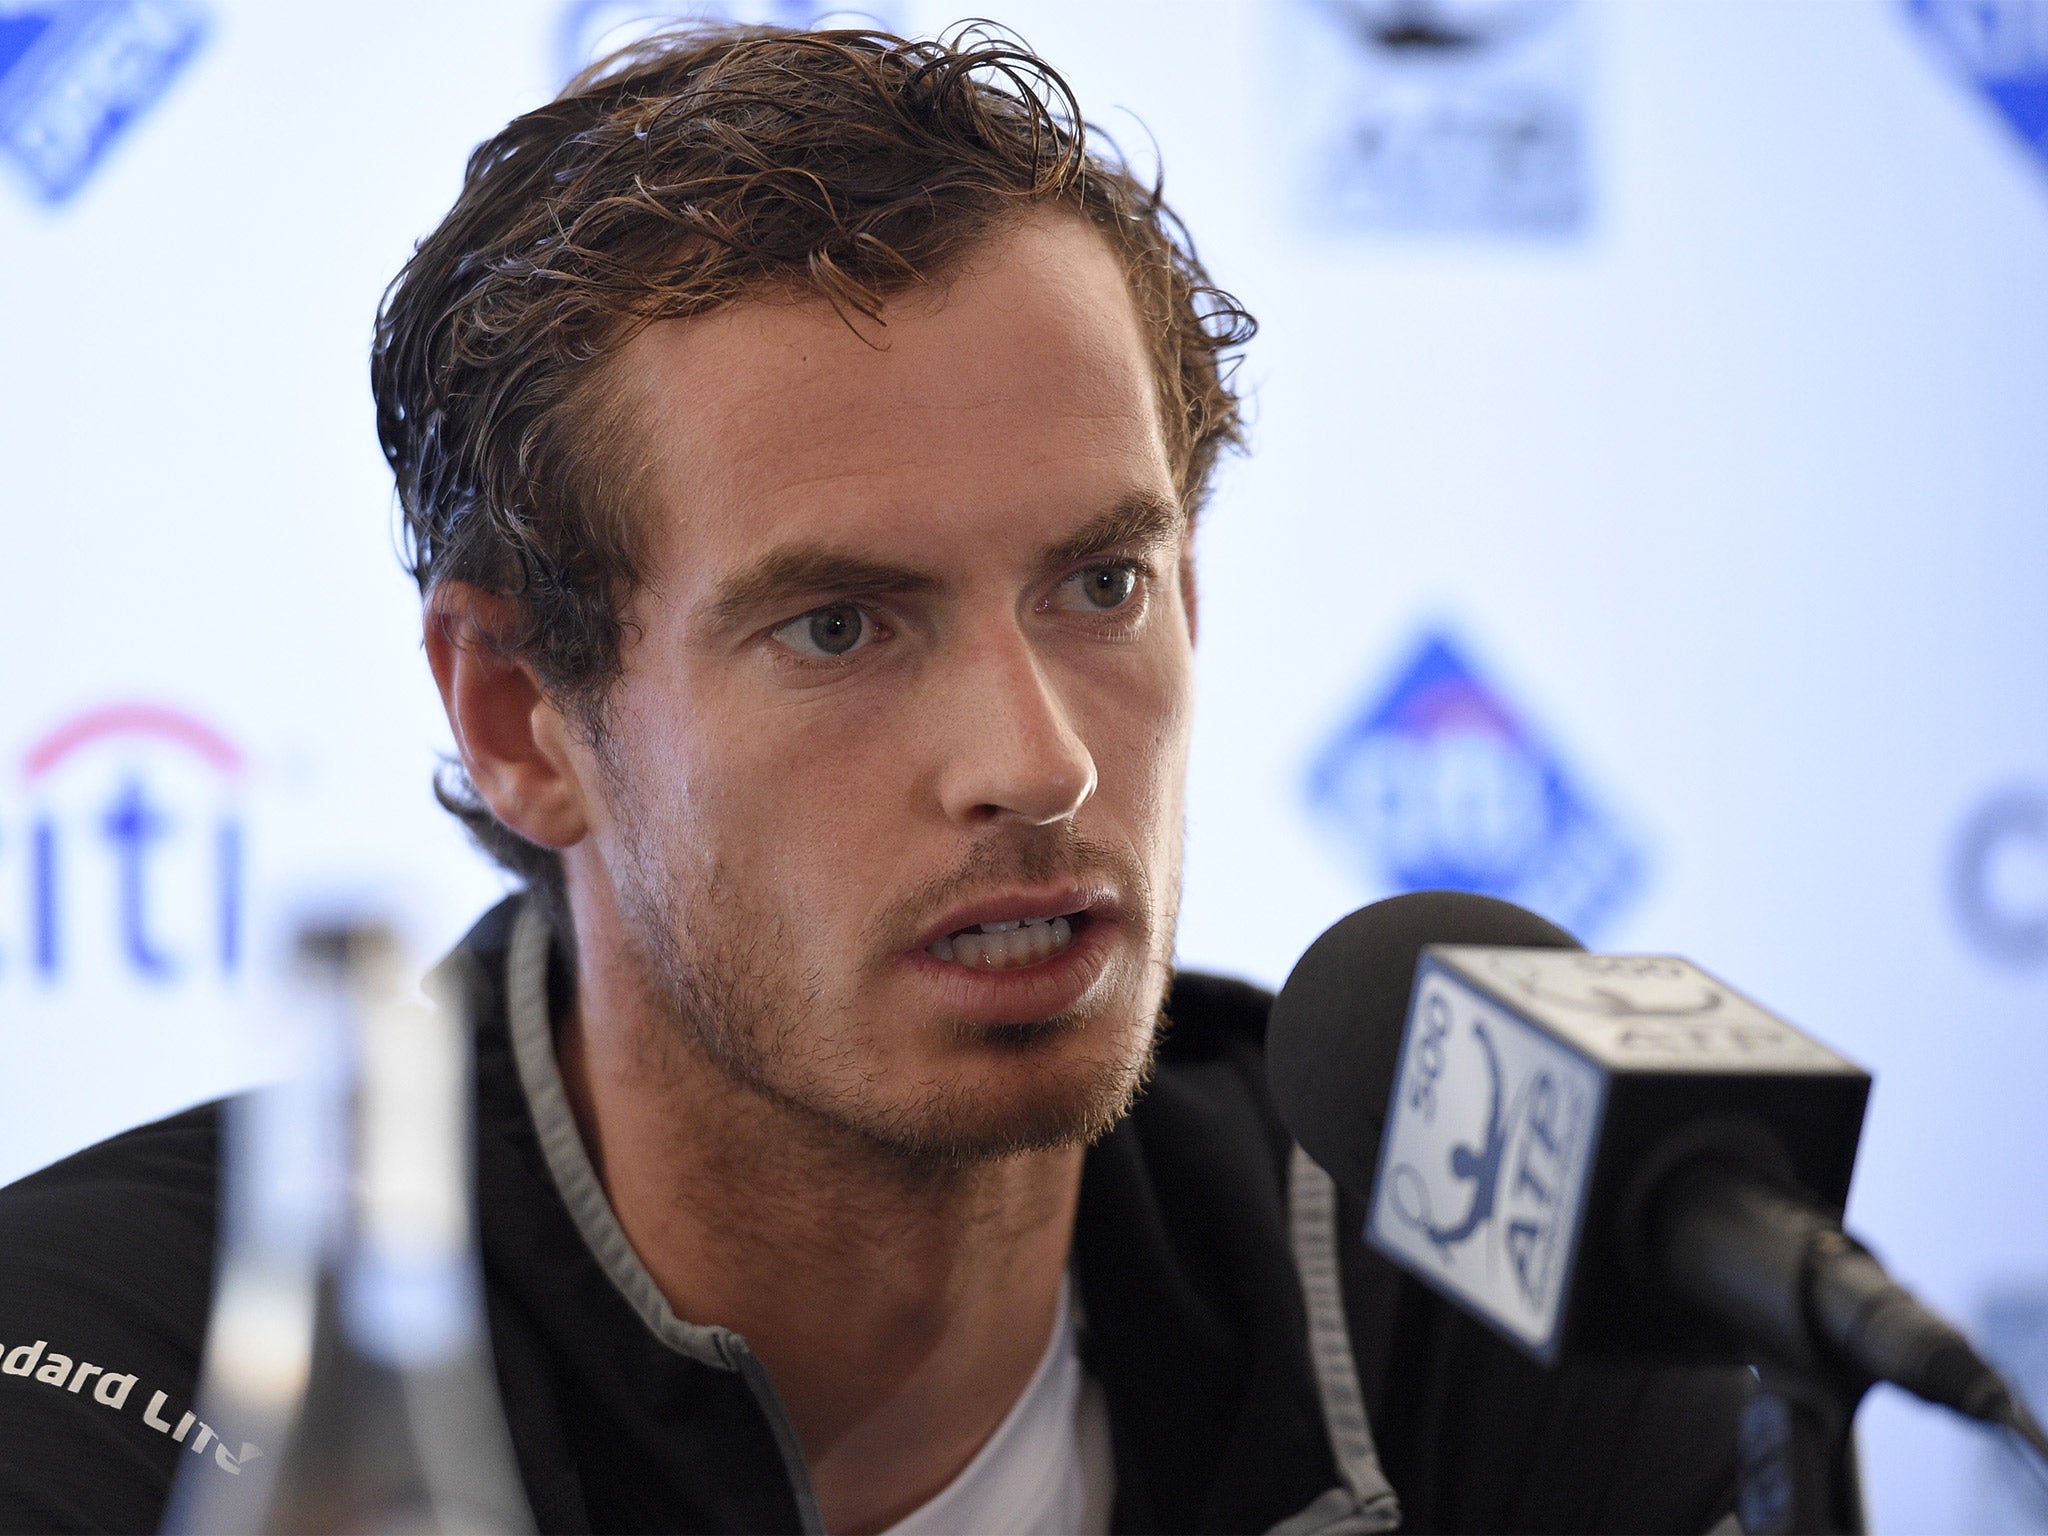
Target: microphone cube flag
point(1541, 1094)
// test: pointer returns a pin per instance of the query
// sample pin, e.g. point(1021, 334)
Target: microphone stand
point(1746, 1254)
point(1822, 1321)
point(1797, 1473)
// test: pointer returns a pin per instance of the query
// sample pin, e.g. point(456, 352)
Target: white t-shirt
point(1046, 1471)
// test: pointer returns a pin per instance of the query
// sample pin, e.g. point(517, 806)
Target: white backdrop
point(1679, 369)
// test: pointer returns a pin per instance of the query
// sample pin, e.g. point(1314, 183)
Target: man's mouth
point(1007, 946)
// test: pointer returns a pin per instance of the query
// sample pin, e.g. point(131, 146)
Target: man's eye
point(1101, 588)
point(825, 634)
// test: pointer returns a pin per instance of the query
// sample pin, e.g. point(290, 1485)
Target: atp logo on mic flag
point(1438, 783)
point(2001, 47)
point(1485, 1166)
point(75, 74)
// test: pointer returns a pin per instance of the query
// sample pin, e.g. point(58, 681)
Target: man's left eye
point(1100, 589)
point(827, 634)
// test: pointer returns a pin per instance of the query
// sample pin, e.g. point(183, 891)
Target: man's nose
point(1012, 752)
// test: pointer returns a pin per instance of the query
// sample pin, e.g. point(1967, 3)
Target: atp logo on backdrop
point(2001, 47)
point(590, 29)
point(75, 75)
point(1436, 115)
point(1436, 781)
point(122, 856)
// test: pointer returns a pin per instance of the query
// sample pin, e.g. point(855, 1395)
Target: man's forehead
point(1022, 394)
point(1039, 313)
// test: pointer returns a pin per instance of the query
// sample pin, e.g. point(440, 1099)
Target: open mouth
point(1009, 946)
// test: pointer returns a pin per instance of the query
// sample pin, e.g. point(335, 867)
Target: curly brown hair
point(688, 172)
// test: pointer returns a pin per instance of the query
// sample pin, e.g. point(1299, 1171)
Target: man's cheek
point(820, 827)
point(1144, 764)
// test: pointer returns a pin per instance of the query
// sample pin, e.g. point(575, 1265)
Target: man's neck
point(899, 1309)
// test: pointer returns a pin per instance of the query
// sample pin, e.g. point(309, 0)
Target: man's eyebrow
point(1144, 519)
point(801, 571)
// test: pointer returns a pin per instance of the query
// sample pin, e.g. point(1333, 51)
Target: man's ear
point(514, 743)
point(1187, 584)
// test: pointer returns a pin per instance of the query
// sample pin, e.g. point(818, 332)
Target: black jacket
point(1236, 1401)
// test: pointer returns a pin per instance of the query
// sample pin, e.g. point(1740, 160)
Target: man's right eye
point(827, 634)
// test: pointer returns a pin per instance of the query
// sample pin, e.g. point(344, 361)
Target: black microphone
point(1604, 1155)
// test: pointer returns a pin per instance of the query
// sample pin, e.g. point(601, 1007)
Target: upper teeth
point(1022, 922)
point(998, 946)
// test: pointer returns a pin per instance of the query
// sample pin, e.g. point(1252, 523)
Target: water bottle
point(347, 1374)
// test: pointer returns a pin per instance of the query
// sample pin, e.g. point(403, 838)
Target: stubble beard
point(716, 973)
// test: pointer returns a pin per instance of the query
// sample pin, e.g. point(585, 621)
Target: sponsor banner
point(1998, 875)
point(1438, 782)
point(1437, 115)
point(2001, 48)
point(123, 858)
point(128, 988)
point(75, 76)
point(587, 30)
point(2012, 1327)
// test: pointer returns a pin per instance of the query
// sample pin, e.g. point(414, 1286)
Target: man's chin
point(1037, 1037)
point(1031, 1097)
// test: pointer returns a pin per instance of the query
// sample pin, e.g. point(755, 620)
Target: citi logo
point(125, 858)
point(1998, 875)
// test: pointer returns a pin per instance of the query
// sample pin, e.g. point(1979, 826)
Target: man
point(801, 438)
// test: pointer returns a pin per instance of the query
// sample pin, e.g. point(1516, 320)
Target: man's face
point(912, 663)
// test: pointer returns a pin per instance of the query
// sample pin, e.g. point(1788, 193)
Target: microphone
point(1607, 1155)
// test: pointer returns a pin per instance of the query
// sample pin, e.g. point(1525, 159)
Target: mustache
point(1019, 856)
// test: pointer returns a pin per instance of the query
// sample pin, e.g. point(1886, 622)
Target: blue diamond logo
point(76, 75)
point(1438, 782)
point(2001, 47)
